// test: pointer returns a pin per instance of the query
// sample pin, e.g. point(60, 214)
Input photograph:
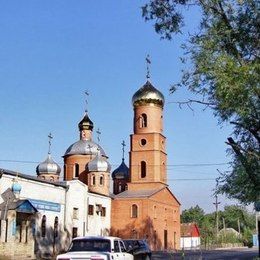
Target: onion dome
point(85, 147)
point(148, 94)
point(122, 172)
point(85, 123)
point(48, 167)
point(16, 187)
point(98, 164)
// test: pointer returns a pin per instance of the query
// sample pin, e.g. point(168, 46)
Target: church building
point(144, 206)
point(39, 215)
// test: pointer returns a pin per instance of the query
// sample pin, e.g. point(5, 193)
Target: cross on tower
point(50, 137)
point(123, 148)
point(98, 134)
point(148, 61)
point(86, 100)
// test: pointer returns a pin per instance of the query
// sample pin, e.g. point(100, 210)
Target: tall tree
point(193, 214)
point(222, 65)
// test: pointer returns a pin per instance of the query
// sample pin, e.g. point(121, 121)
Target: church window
point(51, 178)
point(143, 120)
point(93, 180)
point(56, 224)
point(143, 142)
point(134, 211)
point(76, 170)
point(43, 226)
point(119, 187)
point(74, 232)
point(154, 212)
point(103, 212)
point(90, 209)
point(75, 213)
point(101, 180)
point(143, 169)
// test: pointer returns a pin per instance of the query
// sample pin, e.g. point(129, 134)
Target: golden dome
point(148, 94)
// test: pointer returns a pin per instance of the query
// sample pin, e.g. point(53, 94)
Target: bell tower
point(147, 143)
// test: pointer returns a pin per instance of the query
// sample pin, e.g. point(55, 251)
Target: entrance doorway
point(165, 239)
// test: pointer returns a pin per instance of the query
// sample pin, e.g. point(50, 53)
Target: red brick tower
point(147, 151)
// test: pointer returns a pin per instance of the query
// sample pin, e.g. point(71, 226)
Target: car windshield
point(100, 245)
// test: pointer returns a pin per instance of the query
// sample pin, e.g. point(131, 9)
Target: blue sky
point(52, 51)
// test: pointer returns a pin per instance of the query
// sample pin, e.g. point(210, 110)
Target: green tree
point(237, 216)
point(222, 65)
point(193, 214)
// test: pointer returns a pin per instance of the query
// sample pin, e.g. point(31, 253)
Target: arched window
point(56, 225)
point(43, 226)
point(119, 187)
point(101, 180)
point(143, 120)
point(51, 178)
point(134, 211)
point(93, 180)
point(143, 169)
point(76, 170)
point(154, 212)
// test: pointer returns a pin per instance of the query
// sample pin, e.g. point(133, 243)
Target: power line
point(114, 165)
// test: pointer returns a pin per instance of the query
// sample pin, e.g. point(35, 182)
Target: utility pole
point(224, 227)
point(216, 203)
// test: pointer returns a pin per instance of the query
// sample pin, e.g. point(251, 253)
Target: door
point(165, 239)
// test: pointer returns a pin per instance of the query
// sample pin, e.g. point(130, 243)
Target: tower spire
point(148, 62)
point(123, 149)
point(50, 137)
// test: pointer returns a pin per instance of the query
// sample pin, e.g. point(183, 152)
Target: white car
point(96, 248)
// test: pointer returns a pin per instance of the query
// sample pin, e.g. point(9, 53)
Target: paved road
point(227, 254)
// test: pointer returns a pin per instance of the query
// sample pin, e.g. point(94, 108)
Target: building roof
point(31, 177)
point(49, 166)
point(121, 172)
point(137, 193)
point(85, 147)
point(189, 230)
point(148, 94)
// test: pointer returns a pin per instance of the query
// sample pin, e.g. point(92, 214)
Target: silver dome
point(98, 164)
point(85, 147)
point(148, 94)
point(48, 167)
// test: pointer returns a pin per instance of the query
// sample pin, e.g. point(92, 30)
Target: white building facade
point(39, 218)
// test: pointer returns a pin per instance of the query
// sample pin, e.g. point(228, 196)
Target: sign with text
point(45, 205)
